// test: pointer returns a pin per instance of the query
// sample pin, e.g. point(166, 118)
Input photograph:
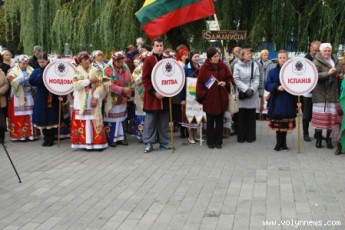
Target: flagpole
point(222, 43)
point(299, 125)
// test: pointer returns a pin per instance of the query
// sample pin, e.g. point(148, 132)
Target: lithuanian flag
point(159, 16)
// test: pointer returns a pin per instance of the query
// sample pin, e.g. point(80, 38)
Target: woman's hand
point(281, 88)
point(331, 71)
point(94, 102)
point(93, 79)
point(221, 83)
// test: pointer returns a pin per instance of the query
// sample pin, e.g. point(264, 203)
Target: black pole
point(8, 155)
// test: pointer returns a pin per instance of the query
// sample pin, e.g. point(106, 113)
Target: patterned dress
point(21, 105)
point(136, 83)
point(115, 109)
point(87, 124)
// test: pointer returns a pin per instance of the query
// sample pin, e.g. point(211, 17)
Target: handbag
point(233, 102)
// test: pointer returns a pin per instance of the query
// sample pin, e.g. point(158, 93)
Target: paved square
point(242, 186)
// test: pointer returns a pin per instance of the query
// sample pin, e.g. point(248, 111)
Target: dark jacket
point(33, 62)
point(46, 105)
point(327, 88)
point(215, 100)
point(281, 104)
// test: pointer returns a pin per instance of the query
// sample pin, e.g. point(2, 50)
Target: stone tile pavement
point(242, 186)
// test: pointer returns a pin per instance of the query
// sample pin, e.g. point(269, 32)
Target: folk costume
point(115, 109)
point(21, 103)
point(45, 114)
point(325, 96)
point(136, 83)
point(87, 124)
point(156, 125)
point(282, 109)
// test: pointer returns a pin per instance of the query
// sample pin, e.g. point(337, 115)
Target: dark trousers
point(246, 128)
point(215, 125)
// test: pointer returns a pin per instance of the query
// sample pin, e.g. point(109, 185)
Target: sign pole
point(59, 122)
point(171, 127)
point(299, 126)
point(200, 133)
point(298, 76)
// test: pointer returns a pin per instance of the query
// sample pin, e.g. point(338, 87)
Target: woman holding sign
point(21, 102)
point(212, 91)
point(87, 130)
point(282, 108)
point(46, 107)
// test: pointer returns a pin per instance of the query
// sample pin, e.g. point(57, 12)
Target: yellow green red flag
point(159, 16)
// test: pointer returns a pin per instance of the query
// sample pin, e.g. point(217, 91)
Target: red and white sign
point(58, 77)
point(168, 77)
point(298, 76)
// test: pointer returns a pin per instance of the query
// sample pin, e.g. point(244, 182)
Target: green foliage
point(112, 25)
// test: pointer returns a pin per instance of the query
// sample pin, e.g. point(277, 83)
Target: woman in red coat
point(212, 91)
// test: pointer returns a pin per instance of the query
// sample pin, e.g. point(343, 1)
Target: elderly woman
point(281, 106)
point(247, 78)
point(97, 62)
point(265, 65)
point(21, 102)
point(7, 61)
point(326, 93)
point(212, 91)
point(119, 92)
point(87, 130)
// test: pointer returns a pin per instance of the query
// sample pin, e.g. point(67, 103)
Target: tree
point(112, 25)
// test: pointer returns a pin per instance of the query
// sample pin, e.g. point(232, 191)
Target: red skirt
point(21, 126)
point(87, 134)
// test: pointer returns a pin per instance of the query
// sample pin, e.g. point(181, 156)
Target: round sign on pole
point(168, 77)
point(58, 77)
point(298, 76)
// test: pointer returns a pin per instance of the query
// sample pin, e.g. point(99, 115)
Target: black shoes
point(123, 142)
point(306, 138)
point(113, 144)
point(213, 146)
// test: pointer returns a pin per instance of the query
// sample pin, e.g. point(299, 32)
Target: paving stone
point(242, 186)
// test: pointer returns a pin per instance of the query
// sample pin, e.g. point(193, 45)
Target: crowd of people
point(113, 98)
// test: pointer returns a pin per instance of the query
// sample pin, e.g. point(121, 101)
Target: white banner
point(193, 108)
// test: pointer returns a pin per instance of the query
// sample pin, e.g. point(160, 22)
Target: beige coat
point(14, 76)
point(4, 85)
